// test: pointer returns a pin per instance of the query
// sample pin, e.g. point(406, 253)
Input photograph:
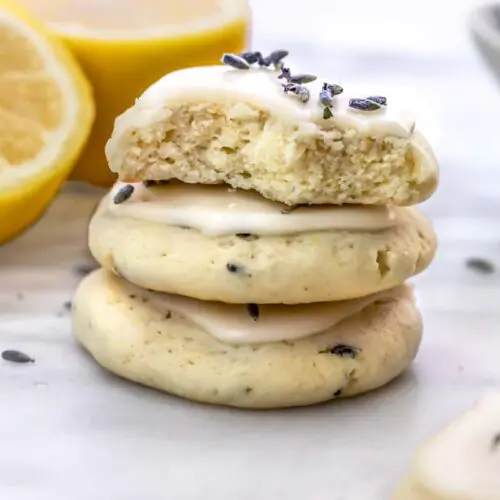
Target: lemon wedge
point(46, 112)
point(124, 46)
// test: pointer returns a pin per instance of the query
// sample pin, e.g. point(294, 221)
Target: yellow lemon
point(46, 112)
point(126, 45)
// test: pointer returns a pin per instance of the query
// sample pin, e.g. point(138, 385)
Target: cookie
point(239, 267)
point(162, 341)
point(220, 125)
point(462, 461)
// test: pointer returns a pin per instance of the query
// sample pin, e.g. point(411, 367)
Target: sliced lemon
point(46, 112)
point(124, 46)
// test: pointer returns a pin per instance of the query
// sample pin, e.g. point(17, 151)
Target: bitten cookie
point(462, 461)
point(222, 125)
point(302, 267)
point(162, 341)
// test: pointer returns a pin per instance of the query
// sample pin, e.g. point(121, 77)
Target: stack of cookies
point(256, 247)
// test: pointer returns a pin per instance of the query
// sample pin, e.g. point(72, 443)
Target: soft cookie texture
point(217, 125)
point(462, 461)
point(128, 333)
point(292, 269)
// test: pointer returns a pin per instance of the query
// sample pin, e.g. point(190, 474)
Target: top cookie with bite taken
point(291, 139)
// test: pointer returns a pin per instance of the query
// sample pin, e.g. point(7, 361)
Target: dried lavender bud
point(480, 265)
point(342, 350)
point(301, 79)
point(495, 443)
point(251, 57)
point(345, 351)
point(327, 113)
point(332, 88)
point(253, 311)
point(363, 105)
point(285, 73)
point(247, 236)
point(235, 61)
point(274, 57)
point(301, 92)
point(233, 268)
point(378, 99)
point(326, 98)
point(123, 194)
point(17, 356)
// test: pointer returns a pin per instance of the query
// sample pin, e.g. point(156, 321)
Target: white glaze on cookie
point(217, 210)
point(233, 324)
point(262, 89)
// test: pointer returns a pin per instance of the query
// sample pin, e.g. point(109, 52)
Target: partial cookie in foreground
point(163, 342)
point(366, 249)
point(221, 125)
point(462, 461)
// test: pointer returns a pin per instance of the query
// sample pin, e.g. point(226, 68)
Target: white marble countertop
point(69, 430)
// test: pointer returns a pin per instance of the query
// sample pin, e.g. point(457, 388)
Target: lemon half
point(124, 46)
point(46, 112)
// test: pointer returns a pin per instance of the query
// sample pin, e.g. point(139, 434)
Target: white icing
point(232, 323)
point(217, 210)
point(262, 89)
point(462, 462)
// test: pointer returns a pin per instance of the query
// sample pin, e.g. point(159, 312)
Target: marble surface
point(68, 430)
